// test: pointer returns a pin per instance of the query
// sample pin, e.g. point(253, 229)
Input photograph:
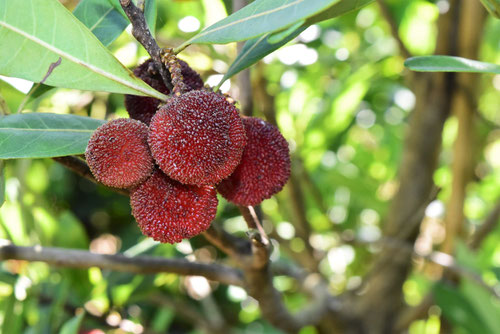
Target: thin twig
point(386, 13)
point(253, 258)
point(141, 32)
point(486, 227)
point(299, 216)
point(247, 216)
point(80, 167)
point(233, 246)
point(51, 68)
point(260, 228)
point(411, 314)
point(119, 262)
point(414, 219)
point(471, 99)
point(253, 221)
point(4, 108)
point(442, 259)
point(258, 278)
point(182, 309)
point(419, 311)
point(314, 190)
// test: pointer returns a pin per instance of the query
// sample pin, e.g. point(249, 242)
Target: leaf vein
point(248, 18)
point(75, 60)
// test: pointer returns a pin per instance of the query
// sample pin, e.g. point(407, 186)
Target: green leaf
point(10, 98)
point(496, 271)
point(38, 33)
point(254, 50)
point(338, 9)
point(39, 135)
point(105, 22)
point(72, 326)
point(102, 19)
point(282, 35)
point(2, 183)
point(37, 91)
point(493, 6)
point(12, 321)
point(483, 303)
point(259, 47)
point(450, 64)
point(458, 310)
point(150, 12)
point(162, 319)
point(260, 17)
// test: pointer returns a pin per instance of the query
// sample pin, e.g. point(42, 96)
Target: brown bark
point(459, 34)
point(75, 258)
point(464, 105)
point(381, 301)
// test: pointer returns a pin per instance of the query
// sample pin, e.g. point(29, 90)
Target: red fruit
point(264, 167)
point(190, 77)
point(92, 331)
point(118, 153)
point(169, 211)
point(197, 138)
point(143, 108)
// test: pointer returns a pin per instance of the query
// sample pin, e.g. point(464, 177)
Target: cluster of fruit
point(175, 157)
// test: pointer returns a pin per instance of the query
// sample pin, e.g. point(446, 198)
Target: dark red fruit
point(190, 77)
point(169, 211)
point(143, 108)
point(118, 153)
point(264, 167)
point(197, 138)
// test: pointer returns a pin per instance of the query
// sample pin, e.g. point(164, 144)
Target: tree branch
point(386, 13)
point(80, 167)
point(119, 262)
point(233, 246)
point(293, 188)
point(141, 32)
point(381, 303)
point(442, 259)
point(486, 227)
point(252, 256)
point(419, 311)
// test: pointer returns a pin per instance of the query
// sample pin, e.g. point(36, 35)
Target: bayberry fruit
point(264, 167)
point(190, 77)
point(118, 153)
point(197, 138)
point(169, 211)
point(143, 108)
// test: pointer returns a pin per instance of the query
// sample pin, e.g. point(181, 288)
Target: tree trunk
point(436, 94)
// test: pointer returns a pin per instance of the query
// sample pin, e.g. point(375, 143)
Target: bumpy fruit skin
point(118, 153)
point(169, 211)
point(197, 138)
point(190, 77)
point(264, 167)
point(143, 108)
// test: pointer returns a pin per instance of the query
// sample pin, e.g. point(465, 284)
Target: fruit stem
point(140, 31)
point(180, 48)
point(216, 88)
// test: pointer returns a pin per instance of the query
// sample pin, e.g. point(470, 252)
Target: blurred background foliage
point(340, 97)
